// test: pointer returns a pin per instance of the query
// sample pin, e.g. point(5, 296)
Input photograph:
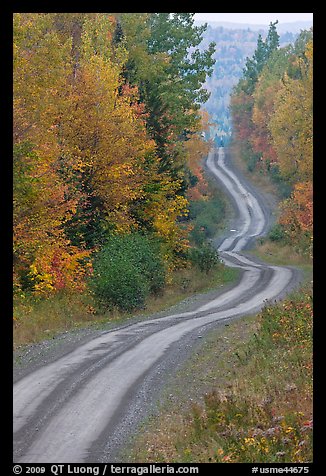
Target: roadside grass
point(39, 319)
point(253, 399)
point(280, 253)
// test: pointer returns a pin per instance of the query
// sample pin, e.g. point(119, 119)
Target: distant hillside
point(291, 27)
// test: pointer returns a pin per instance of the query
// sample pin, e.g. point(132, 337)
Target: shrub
point(206, 216)
point(277, 233)
point(205, 257)
point(252, 162)
point(126, 270)
point(283, 186)
point(250, 157)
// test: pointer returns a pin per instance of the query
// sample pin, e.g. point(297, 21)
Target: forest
point(107, 151)
point(127, 251)
point(272, 115)
point(233, 46)
point(110, 197)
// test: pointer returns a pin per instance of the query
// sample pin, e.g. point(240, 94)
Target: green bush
point(206, 216)
point(283, 186)
point(250, 157)
point(205, 258)
point(126, 270)
point(277, 233)
point(252, 162)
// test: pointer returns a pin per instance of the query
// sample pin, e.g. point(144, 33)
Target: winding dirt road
point(82, 406)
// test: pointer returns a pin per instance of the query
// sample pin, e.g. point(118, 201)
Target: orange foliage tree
point(292, 131)
point(297, 215)
point(196, 149)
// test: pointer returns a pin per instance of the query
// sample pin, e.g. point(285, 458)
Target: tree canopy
point(272, 109)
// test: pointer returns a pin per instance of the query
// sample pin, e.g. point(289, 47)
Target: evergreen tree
point(260, 57)
point(273, 39)
point(169, 70)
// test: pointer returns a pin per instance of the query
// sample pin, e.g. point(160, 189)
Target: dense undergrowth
point(129, 278)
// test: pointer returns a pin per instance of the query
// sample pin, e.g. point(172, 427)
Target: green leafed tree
point(170, 71)
point(260, 57)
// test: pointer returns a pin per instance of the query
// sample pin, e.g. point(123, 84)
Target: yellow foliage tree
point(291, 125)
point(163, 207)
point(41, 207)
point(103, 128)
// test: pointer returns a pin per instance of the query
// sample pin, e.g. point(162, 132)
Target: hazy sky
point(260, 18)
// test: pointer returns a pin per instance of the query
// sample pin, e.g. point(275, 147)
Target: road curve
point(77, 408)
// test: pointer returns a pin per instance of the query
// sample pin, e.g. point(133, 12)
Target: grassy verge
point(251, 400)
point(280, 254)
point(36, 320)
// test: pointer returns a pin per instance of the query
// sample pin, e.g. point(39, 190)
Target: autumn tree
point(292, 122)
point(297, 217)
point(274, 125)
point(43, 256)
point(291, 128)
point(264, 95)
point(197, 148)
point(169, 70)
point(103, 127)
point(242, 99)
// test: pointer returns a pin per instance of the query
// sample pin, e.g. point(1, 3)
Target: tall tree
point(292, 122)
point(44, 258)
point(242, 99)
point(170, 72)
point(104, 130)
point(260, 57)
point(264, 103)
